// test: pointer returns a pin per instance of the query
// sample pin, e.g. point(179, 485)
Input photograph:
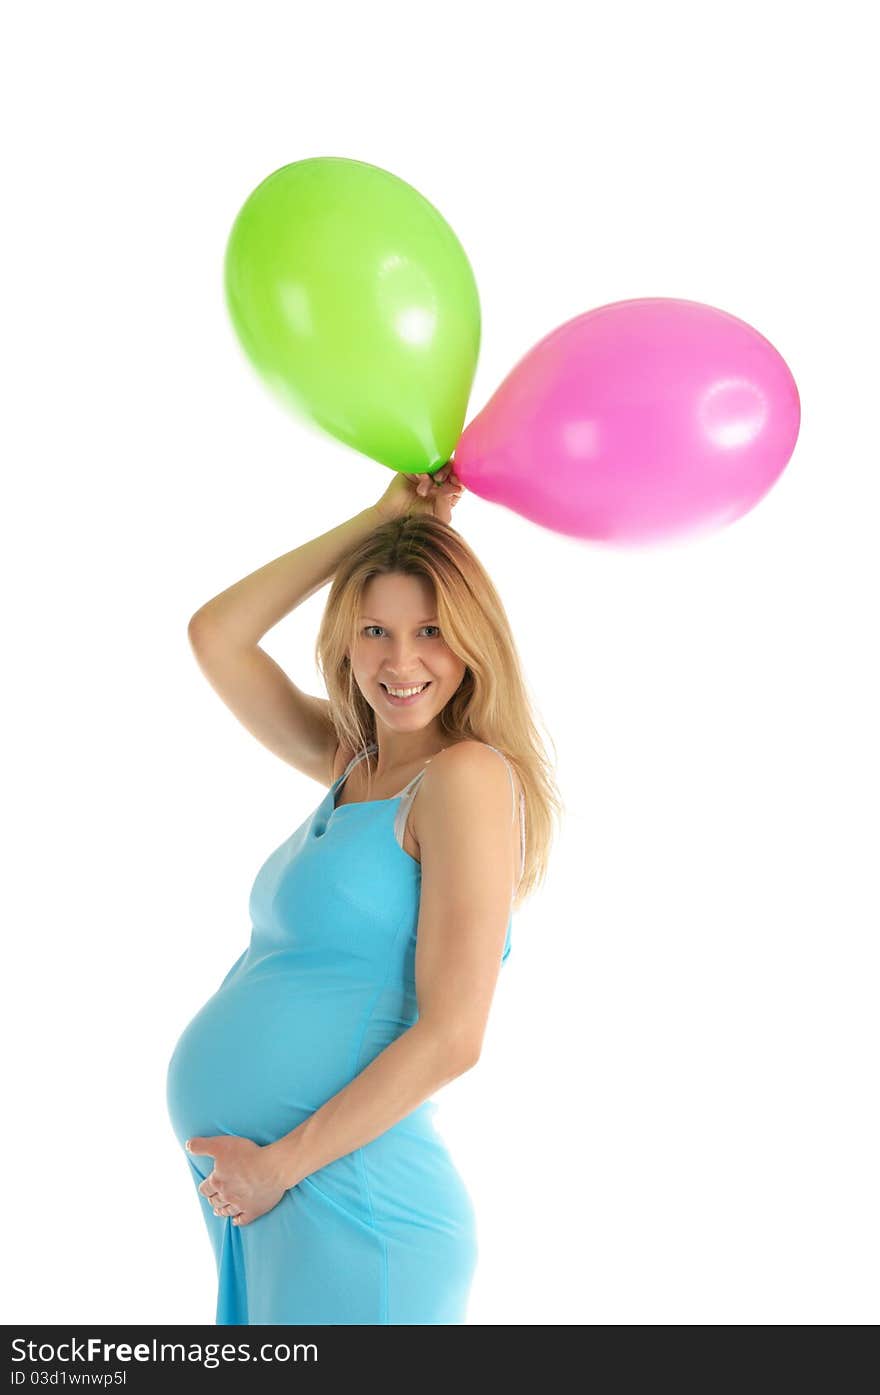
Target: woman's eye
point(368, 628)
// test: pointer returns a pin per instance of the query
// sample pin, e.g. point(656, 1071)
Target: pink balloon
point(636, 422)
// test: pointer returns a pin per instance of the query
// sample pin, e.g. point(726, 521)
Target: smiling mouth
point(411, 698)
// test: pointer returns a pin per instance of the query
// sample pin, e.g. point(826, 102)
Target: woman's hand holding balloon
point(436, 494)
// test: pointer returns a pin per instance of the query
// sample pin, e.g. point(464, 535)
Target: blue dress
point(385, 1234)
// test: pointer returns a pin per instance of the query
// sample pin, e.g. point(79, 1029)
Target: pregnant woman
point(302, 1088)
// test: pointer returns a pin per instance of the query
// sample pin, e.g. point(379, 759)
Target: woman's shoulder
point(469, 744)
point(469, 761)
point(472, 779)
point(483, 749)
point(469, 755)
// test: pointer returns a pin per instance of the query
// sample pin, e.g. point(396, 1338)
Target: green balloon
point(356, 304)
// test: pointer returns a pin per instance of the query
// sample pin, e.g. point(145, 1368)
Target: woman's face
point(399, 645)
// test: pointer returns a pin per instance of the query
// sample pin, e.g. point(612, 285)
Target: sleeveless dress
point(386, 1233)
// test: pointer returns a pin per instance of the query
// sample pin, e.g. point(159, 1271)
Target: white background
point(673, 1121)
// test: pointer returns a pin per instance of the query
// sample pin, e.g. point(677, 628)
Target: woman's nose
point(403, 659)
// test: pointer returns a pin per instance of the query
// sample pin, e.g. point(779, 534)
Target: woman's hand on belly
point(244, 1182)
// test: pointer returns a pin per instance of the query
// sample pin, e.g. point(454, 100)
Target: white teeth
point(405, 692)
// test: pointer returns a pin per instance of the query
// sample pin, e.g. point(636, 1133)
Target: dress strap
point(353, 762)
point(408, 794)
point(412, 785)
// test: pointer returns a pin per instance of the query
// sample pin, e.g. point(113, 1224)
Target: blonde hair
point(491, 704)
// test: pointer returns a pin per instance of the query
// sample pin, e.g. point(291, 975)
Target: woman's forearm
point(245, 611)
point(416, 1063)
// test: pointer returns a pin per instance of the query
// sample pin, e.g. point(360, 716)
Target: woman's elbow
point(461, 1047)
point(466, 1056)
point(457, 1047)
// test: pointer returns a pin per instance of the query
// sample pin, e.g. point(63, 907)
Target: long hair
point(490, 705)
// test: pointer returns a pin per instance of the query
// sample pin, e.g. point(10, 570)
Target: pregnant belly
point(263, 1053)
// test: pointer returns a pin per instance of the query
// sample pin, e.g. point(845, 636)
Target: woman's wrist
point(385, 515)
point(283, 1158)
point(387, 512)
